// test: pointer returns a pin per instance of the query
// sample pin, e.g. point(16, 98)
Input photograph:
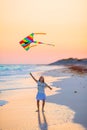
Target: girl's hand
point(50, 88)
point(30, 73)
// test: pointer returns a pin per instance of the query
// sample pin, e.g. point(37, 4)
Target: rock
point(75, 91)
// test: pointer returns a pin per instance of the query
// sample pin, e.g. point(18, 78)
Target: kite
point(26, 43)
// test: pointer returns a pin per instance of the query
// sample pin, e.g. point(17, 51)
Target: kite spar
point(26, 43)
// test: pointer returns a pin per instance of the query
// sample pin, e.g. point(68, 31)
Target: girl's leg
point(43, 104)
point(38, 105)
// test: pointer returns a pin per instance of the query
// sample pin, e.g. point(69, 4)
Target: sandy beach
point(65, 108)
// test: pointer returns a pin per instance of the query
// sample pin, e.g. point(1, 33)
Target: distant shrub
point(78, 69)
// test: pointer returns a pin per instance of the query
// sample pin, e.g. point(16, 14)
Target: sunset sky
point(64, 21)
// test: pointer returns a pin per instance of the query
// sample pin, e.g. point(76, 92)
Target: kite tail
point(33, 46)
point(40, 33)
point(44, 43)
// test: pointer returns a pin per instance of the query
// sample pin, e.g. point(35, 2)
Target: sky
point(64, 21)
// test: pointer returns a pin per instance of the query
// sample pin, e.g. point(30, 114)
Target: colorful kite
point(26, 43)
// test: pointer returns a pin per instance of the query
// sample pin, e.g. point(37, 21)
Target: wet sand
point(64, 109)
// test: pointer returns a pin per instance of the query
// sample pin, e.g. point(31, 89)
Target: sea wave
point(7, 70)
point(15, 71)
point(10, 75)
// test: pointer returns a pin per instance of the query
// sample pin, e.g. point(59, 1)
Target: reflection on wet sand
point(42, 122)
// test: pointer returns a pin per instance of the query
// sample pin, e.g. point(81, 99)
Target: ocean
point(11, 74)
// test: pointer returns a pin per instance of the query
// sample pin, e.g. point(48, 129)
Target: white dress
point(41, 91)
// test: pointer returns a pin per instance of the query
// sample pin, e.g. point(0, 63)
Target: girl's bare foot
point(43, 110)
point(37, 110)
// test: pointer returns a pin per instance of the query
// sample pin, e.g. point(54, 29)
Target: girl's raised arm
point(33, 77)
point(48, 86)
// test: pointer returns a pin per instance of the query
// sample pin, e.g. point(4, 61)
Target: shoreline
point(19, 112)
point(73, 91)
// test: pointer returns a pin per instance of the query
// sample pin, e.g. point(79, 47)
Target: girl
point(41, 91)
